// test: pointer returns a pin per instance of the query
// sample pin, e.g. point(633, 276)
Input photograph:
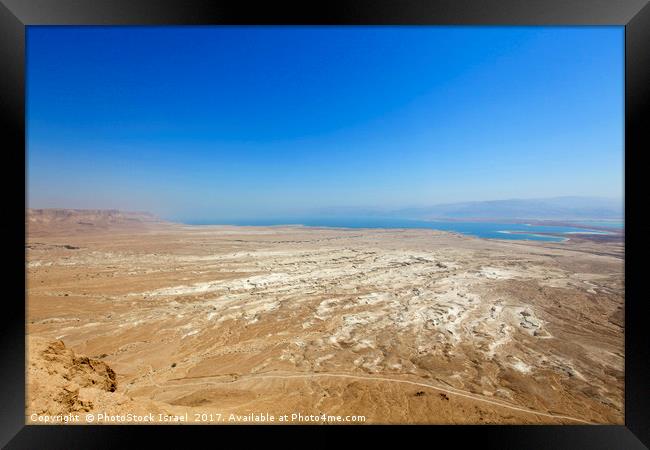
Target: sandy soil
point(401, 326)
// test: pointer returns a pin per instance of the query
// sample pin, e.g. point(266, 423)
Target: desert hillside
point(62, 384)
point(65, 221)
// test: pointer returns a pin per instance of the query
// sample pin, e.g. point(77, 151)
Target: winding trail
point(451, 391)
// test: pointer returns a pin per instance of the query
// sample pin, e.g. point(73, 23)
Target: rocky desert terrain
point(130, 314)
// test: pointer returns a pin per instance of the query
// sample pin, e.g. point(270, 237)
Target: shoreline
point(40, 230)
point(591, 234)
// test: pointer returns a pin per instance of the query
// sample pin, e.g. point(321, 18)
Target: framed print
point(369, 214)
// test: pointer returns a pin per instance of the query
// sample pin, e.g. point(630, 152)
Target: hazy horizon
point(233, 122)
point(568, 208)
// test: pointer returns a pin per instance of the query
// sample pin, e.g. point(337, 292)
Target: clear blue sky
point(236, 122)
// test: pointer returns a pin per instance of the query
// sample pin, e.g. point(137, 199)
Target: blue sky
point(249, 122)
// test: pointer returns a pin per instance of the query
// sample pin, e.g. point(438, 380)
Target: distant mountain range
point(90, 216)
point(58, 220)
point(557, 208)
point(554, 209)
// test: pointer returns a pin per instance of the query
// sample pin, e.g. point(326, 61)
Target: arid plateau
point(130, 314)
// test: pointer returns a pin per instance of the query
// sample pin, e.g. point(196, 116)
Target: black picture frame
point(634, 15)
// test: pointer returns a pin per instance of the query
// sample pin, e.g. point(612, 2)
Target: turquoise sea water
point(489, 230)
